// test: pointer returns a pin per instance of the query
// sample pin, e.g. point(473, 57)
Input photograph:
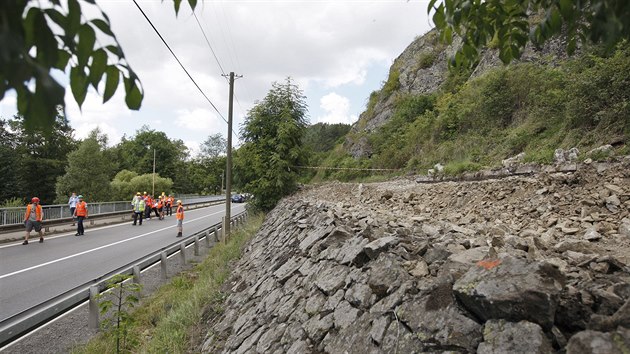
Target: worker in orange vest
point(33, 220)
point(148, 203)
point(168, 205)
point(179, 215)
point(160, 207)
point(81, 213)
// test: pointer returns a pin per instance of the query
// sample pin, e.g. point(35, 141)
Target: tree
point(36, 38)
point(322, 137)
point(120, 297)
point(12, 185)
point(42, 156)
point(127, 183)
point(89, 171)
point(507, 22)
point(136, 153)
point(272, 133)
point(214, 146)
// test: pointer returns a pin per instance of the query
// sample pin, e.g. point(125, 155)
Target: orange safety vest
point(160, 203)
point(38, 212)
point(81, 209)
point(180, 213)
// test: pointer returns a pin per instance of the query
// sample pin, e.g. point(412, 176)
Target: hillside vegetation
point(474, 123)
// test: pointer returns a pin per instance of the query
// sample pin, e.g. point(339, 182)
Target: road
point(31, 274)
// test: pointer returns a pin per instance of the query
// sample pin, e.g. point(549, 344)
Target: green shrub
point(459, 167)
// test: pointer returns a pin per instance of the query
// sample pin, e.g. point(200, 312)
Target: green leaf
point(193, 4)
point(62, 59)
point(177, 4)
point(438, 17)
point(103, 26)
point(30, 25)
point(555, 21)
point(133, 97)
point(113, 77)
point(57, 17)
point(78, 84)
point(74, 17)
point(45, 41)
point(98, 67)
point(87, 37)
point(115, 50)
point(566, 9)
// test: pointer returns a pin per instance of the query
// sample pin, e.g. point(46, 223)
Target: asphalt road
point(31, 274)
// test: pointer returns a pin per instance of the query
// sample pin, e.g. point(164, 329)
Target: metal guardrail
point(19, 324)
point(15, 216)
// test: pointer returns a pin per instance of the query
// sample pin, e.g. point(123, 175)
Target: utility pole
point(228, 168)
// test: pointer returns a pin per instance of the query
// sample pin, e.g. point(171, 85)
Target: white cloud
point(8, 106)
point(193, 147)
point(328, 45)
point(198, 120)
point(336, 108)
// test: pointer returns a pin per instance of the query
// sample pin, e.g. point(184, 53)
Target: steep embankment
point(525, 263)
point(471, 119)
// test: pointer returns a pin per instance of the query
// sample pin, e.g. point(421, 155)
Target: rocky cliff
point(530, 264)
point(422, 68)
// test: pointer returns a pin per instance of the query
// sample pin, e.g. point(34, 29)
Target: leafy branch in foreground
point(507, 23)
point(37, 37)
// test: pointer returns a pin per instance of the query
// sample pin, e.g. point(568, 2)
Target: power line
point(180, 63)
point(210, 46)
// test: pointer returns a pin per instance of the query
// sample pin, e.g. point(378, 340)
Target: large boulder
point(523, 337)
point(594, 342)
point(511, 288)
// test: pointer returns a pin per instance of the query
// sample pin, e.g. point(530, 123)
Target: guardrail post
point(136, 274)
point(182, 251)
point(196, 246)
point(208, 232)
point(163, 265)
point(93, 308)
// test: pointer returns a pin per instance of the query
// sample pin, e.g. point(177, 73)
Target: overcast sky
point(337, 51)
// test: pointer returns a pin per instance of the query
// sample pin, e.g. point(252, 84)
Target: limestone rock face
point(422, 68)
point(534, 263)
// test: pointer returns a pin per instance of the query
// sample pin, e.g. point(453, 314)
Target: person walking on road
point(81, 212)
point(33, 220)
point(148, 201)
point(169, 205)
point(179, 214)
point(138, 209)
point(72, 203)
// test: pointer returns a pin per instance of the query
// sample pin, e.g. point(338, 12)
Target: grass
point(172, 320)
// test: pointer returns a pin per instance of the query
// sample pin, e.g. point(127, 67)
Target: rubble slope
point(531, 264)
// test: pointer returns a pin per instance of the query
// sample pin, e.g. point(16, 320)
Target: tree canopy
point(508, 24)
point(89, 171)
point(34, 158)
point(265, 164)
point(37, 38)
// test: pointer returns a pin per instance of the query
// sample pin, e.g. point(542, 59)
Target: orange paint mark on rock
point(489, 264)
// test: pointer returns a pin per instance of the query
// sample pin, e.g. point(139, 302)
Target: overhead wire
point(233, 55)
point(216, 58)
point(178, 61)
point(209, 45)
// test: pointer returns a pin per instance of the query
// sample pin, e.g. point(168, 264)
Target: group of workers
point(34, 216)
point(144, 204)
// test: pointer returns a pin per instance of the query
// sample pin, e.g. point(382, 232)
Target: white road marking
point(99, 248)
